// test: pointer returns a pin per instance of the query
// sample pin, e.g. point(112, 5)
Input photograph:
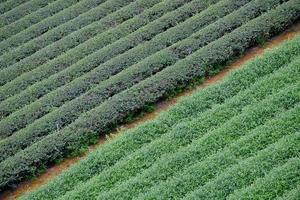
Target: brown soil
point(164, 105)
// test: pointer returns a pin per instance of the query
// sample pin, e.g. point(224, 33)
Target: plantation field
point(238, 139)
point(74, 70)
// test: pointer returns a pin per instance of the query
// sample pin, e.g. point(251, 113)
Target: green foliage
point(22, 10)
point(120, 71)
point(293, 194)
point(116, 83)
point(248, 170)
point(212, 137)
point(7, 5)
point(11, 58)
point(33, 18)
point(243, 121)
point(130, 76)
point(273, 184)
point(46, 25)
point(90, 62)
point(92, 53)
point(199, 173)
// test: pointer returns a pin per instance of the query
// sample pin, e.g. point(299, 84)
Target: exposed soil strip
point(164, 105)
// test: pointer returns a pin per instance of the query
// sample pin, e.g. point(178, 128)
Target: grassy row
point(127, 103)
point(7, 5)
point(199, 149)
point(30, 61)
point(181, 135)
point(19, 141)
point(22, 10)
point(71, 111)
point(61, 19)
point(199, 63)
point(76, 54)
point(195, 175)
point(77, 87)
point(200, 102)
point(293, 194)
point(35, 17)
point(273, 184)
point(112, 112)
point(103, 91)
point(245, 172)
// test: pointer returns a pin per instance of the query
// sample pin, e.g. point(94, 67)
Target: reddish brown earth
point(164, 105)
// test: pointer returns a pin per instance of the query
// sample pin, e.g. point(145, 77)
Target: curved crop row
point(104, 117)
point(293, 194)
point(209, 126)
point(22, 10)
point(13, 144)
point(248, 170)
point(144, 48)
point(96, 76)
point(125, 103)
point(33, 18)
point(187, 180)
point(73, 109)
point(96, 43)
point(192, 106)
point(171, 163)
point(17, 65)
point(7, 5)
point(288, 175)
point(60, 19)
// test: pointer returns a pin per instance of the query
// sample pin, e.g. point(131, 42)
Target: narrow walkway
point(57, 169)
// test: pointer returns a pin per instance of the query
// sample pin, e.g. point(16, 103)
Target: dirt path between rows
point(59, 168)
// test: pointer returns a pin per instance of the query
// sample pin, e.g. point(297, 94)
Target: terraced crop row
point(7, 5)
point(98, 94)
point(189, 107)
point(21, 139)
point(84, 49)
point(63, 22)
point(291, 194)
point(109, 59)
point(224, 141)
point(94, 75)
point(22, 10)
point(250, 169)
point(245, 147)
point(110, 40)
point(9, 60)
point(47, 147)
point(267, 187)
point(158, 171)
point(145, 156)
point(33, 18)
